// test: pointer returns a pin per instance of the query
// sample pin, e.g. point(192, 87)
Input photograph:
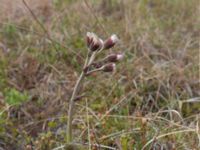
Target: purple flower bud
point(109, 67)
point(94, 42)
point(96, 45)
point(114, 57)
point(111, 41)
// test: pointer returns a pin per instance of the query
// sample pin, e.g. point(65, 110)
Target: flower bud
point(111, 41)
point(109, 67)
point(114, 57)
point(93, 41)
point(96, 45)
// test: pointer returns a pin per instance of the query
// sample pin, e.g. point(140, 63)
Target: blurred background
point(152, 101)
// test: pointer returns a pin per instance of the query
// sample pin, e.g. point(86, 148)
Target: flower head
point(114, 57)
point(94, 43)
point(109, 67)
point(111, 41)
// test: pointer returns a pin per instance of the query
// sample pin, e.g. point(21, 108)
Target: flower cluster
point(96, 45)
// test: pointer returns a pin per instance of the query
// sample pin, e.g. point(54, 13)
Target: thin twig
point(95, 16)
point(96, 145)
point(88, 125)
point(99, 146)
point(167, 134)
point(39, 23)
point(123, 132)
point(113, 107)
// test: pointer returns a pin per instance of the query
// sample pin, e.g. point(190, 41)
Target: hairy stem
point(74, 95)
point(71, 107)
point(88, 61)
point(95, 70)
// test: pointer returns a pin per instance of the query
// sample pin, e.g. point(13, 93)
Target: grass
point(151, 102)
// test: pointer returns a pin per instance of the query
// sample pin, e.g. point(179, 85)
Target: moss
point(14, 97)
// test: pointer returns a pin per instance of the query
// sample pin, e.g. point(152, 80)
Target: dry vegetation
point(151, 102)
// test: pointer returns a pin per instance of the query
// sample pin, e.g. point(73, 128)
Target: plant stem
point(71, 106)
point(88, 61)
point(71, 103)
point(95, 70)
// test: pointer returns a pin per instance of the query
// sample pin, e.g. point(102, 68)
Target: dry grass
point(151, 102)
point(15, 10)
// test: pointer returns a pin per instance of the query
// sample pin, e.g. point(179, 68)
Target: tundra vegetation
point(151, 100)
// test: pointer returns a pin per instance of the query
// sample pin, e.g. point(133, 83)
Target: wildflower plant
point(95, 46)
